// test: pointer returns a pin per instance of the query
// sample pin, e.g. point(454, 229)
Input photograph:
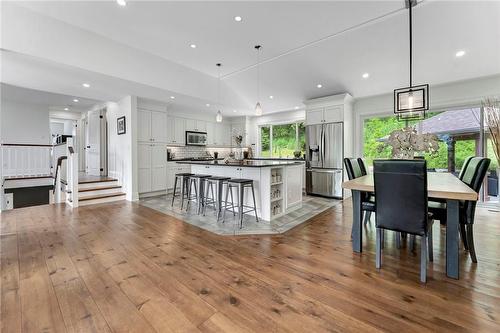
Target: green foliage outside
point(380, 127)
point(284, 140)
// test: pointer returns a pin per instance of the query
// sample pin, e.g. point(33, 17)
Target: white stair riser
point(87, 194)
point(101, 200)
point(98, 184)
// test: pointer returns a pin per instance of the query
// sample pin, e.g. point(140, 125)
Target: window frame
point(296, 123)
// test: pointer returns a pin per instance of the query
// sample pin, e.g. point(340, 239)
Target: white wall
point(61, 126)
point(455, 94)
point(24, 123)
point(122, 149)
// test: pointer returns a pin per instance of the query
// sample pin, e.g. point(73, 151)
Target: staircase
point(99, 191)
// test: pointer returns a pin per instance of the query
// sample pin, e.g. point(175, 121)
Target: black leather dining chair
point(438, 206)
point(473, 176)
point(355, 168)
point(401, 197)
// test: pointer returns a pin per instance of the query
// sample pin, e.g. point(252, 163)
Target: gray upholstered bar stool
point(184, 180)
point(215, 200)
point(241, 185)
point(198, 182)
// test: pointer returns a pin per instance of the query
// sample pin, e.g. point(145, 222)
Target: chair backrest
point(362, 166)
point(473, 176)
point(353, 168)
point(401, 195)
point(464, 167)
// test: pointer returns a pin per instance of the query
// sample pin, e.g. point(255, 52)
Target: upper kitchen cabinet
point(210, 133)
point(176, 130)
point(151, 126)
point(196, 125)
point(329, 114)
point(222, 134)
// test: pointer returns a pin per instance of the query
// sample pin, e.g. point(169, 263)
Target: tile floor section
point(311, 206)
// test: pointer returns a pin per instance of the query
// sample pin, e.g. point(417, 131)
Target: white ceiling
point(54, 102)
point(304, 43)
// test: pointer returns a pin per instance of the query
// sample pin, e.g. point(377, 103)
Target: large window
point(459, 132)
point(282, 140)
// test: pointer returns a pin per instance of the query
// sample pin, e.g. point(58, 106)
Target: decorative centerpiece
point(238, 139)
point(406, 142)
point(491, 109)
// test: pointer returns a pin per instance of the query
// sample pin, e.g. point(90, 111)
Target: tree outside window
point(282, 140)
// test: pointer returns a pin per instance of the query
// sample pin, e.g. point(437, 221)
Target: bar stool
point(241, 185)
point(184, 179)
point(215, 200)
point(198, 182)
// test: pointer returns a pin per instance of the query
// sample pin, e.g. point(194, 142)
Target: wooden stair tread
point(99, 188)
point(102, 180)
point(102, 196)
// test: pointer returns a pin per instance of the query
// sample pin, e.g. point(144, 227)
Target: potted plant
point(491, 109)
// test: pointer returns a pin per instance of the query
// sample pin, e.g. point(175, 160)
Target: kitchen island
point(277, 183)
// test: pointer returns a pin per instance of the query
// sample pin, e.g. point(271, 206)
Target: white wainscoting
point(26, 161)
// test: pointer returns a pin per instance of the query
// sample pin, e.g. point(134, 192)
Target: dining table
point(440, 185)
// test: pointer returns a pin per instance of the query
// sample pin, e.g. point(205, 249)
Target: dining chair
point(473, 176)
point(438, 206)
point(401, 197)
point(355, 168)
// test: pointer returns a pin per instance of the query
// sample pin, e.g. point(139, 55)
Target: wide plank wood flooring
point(122, 267)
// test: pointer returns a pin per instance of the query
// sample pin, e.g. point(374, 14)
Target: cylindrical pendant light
point(218, 117)
point(258, 107)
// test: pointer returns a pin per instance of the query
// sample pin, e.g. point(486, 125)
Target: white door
point(143, 126)
point(93, 143)
point(159, 126)
point(314, 116)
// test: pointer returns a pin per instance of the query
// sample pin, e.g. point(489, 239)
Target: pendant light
point(410, 103)
point(218, 117)
point(258, 107)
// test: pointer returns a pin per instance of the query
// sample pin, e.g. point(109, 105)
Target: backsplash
point(193, 151)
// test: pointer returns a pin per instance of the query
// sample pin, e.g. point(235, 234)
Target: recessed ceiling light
point(193, 46)
point(66, 109)
point(366, 75)
point(208, 105)
point(172, 97)
point(235, 111)
point(460, 53)
point(271, 97)
point(296, 108)
point(237, 18)
point(86, 85)
point(319, 86)
point(121, 2)
point(76, 100)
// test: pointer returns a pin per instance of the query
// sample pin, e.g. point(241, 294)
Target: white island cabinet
point(277, 184)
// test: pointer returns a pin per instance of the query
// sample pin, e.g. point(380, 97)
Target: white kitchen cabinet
point(294, 185)
point(210, 133)
point(158, 126)
point(332, 114)
point(196, 125)
point(151, 165)
point(151, 126)
point(176, 130)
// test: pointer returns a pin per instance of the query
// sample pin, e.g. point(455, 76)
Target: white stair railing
point(71, 174)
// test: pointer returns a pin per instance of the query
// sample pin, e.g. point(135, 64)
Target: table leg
point(357, 235)
point(452, 239)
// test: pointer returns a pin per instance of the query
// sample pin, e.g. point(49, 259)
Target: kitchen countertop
point(245, 163)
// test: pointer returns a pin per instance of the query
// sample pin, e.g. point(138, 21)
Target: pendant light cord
point(218, 86)
point(411, 42)
point(258, 72)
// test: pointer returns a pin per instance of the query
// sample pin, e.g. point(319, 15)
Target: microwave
point(196, 138)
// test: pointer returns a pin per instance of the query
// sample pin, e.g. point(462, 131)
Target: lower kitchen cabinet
point(152, 167)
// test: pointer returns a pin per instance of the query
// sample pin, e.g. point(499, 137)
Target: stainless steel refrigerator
point(324, 155)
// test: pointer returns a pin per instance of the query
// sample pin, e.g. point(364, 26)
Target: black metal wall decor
point(411, 103)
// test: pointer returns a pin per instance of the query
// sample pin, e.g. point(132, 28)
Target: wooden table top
point(441, 185)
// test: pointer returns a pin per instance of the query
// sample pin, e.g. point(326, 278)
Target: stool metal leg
point(173, 194)
point(184, 182)
point(241, 192)
point(225, 203)
point(205, 198)
point(220, 186)
point(254, 205)
point(199, 197)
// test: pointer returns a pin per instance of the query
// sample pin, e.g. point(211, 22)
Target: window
point(282, 140)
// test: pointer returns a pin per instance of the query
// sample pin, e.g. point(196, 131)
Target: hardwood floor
point(124, 267)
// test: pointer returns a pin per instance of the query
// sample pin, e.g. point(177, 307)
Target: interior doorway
point(96, 143)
